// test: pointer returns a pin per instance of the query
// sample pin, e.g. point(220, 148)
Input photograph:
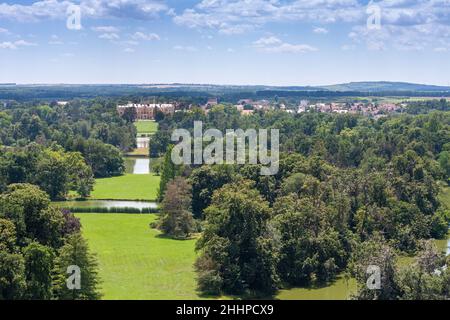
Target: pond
point(142, 142)
point(137, 165)
point(444, 245)
point(106, 204)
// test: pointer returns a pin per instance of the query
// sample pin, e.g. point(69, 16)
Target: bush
point(209, 282)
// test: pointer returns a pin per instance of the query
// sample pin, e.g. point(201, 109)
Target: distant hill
point(384, 86)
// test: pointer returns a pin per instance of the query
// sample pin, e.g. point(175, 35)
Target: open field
point(127, 187)
point(341, 289)
point(135, 263)
point(146, 126)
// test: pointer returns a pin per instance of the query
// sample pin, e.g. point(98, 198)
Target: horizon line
point(206, 84)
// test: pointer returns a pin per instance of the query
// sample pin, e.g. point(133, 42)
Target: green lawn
point(146, 127)
point(341, 289)
point(135, 263)
point(126, 187)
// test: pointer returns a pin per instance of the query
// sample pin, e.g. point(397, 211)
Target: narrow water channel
point(106, 204)
point(137, 165)
point(142, 142)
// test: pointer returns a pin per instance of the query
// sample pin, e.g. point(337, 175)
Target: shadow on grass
point(165, 236)
point(256, 296)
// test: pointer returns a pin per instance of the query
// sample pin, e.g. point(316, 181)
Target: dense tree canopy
point(236, 247)
point(37, 243)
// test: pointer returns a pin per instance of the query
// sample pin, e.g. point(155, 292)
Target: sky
point(246, 42)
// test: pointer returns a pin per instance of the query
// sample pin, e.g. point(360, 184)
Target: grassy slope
point(127, 187)
point(137, 264)
point(146, 126)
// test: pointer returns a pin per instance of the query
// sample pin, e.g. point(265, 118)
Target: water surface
point(137, 165)
point(107, 204)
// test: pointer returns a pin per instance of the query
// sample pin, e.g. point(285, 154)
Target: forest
point(351, 192)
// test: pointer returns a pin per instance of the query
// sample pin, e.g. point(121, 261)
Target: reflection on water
point(142, 142)
point(106, 204)
point(444, 245)
point(141, 166)
point(137, 165)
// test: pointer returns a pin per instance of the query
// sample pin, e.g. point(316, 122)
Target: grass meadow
point(127, 187)
point(146, 126)
point(135, 262)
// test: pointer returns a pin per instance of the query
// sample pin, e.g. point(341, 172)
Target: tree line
point(345, 182)
point(38, 243)
point(63, 148)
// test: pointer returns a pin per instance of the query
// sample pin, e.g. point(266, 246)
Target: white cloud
point(16, 44)
point(39, 10)
point(405, 24)
point(145, 36)
point(106, 29)
point(235, 29)
point(55, 9)
point(109, 36)
point(129, 50)
point(7, 45)
point(4, 31)
point(267, 41)
point(229, 14)
point(130, 43)
point(320, 30)
point(275, 45)
point(404, 38)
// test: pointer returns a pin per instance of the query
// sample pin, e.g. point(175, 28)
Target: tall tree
point(75, 252)
point(176, 216)
point(12, 269)
point(237, 251)
point(375, 258)
point(38, 271)
point(168, 172)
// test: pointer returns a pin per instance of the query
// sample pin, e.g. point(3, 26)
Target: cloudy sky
point(276, 42)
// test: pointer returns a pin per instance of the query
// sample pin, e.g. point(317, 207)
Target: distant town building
point(147, 111)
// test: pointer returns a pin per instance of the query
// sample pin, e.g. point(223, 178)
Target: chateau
point(147, 111)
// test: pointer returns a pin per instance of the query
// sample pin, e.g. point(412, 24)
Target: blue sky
point(273, 42)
